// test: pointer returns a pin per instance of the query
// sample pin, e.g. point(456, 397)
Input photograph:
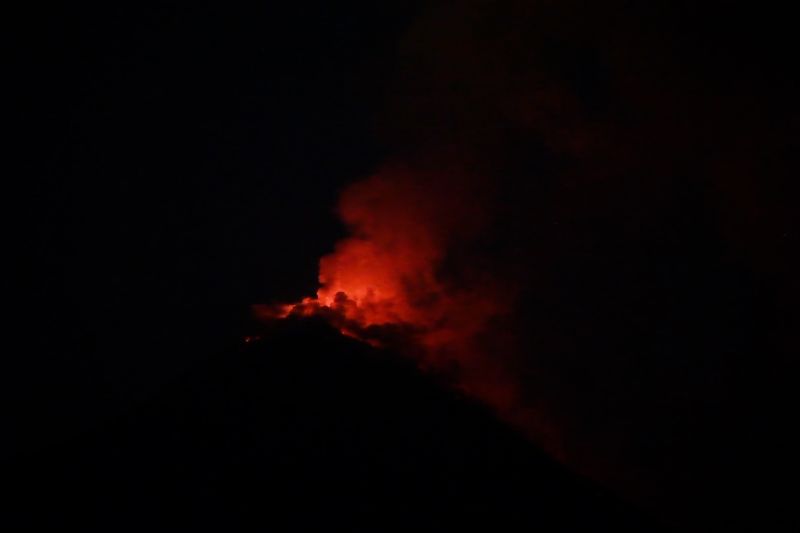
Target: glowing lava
point(389, 272)
point(398, 277)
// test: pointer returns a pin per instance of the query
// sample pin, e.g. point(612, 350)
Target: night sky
point(590, 212)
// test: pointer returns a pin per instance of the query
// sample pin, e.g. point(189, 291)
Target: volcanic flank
point(310, 429)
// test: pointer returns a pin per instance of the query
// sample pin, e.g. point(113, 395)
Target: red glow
point(386, 273)
point(391, 272)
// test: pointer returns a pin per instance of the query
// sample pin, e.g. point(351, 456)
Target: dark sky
point(184, 162)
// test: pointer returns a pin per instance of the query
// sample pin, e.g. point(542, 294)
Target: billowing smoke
point(408, 269)
point(402, 225)
point(445, 238)
point(554, 232)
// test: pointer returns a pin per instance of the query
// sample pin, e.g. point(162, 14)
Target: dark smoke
point(561, 229)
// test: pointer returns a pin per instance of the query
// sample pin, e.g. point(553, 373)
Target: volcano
point(301, 428)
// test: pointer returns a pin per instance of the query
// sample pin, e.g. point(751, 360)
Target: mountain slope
point(306, 429)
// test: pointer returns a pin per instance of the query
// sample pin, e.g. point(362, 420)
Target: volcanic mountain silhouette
point(305, 430)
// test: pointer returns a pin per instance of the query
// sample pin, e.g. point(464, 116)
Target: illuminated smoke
point(543, 280)
point(400, 274)
point(391, 270)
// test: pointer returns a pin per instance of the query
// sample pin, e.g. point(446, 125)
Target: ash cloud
point(558, 229)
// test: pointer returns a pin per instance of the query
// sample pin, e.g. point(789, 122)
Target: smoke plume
point(554, 232)
point(406, 269)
